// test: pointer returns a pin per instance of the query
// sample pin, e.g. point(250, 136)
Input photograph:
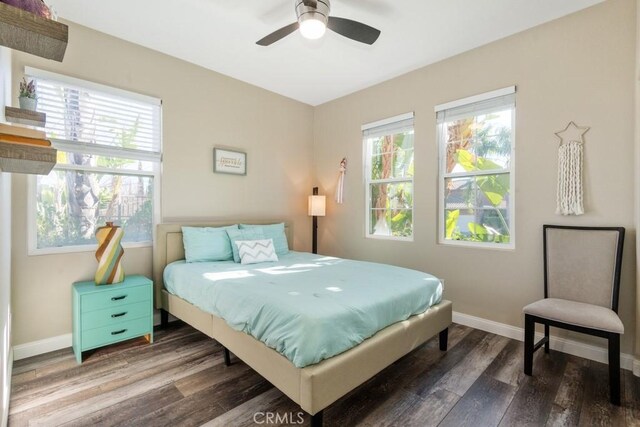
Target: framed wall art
point(229, 161)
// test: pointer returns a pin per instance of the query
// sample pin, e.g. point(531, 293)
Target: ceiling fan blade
point(278, 34)
point(354, 30)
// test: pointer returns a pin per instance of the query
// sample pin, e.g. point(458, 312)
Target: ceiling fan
point(313, 21)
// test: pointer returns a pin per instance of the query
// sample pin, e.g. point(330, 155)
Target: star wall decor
point(570, 170)
point(572, 132)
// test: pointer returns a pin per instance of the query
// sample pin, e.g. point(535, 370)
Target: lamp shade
point(317, 205)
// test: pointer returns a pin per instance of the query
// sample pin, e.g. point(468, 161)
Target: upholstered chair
point(581, 286)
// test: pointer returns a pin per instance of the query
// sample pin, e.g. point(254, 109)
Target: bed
point(316, 386)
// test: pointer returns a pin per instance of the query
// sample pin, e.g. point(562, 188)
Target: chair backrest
point(583, 264)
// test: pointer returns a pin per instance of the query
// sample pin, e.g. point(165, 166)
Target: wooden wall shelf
point(29, 159)
point(22, 30)
point(25, 117)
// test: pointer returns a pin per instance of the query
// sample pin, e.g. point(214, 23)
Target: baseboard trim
point(156, 317)
point(35, 348)
point(588, 351)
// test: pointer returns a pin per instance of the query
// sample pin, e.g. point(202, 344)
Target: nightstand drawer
point(115, 298)
point(110, 316)
point(117, 332)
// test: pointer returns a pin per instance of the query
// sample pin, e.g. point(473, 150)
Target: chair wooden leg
point(546, 334)
point(529, 330)
point(614, 368)
point(316, 420)
point(443, 339)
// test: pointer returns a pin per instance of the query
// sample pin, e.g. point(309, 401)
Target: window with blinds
point(476, 145)
point(389, 168)
point(109, 145)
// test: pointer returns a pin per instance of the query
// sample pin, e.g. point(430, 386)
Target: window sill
point(394, 238)
point(83, 248)
point(478, 245)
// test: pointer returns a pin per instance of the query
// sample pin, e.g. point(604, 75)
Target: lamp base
point(314, 241)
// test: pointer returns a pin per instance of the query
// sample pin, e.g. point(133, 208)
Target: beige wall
point(201, 109)
point(579, 68)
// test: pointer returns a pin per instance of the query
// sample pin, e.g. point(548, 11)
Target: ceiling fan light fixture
point(312, 28)
point(312, 17)
point(314, 20)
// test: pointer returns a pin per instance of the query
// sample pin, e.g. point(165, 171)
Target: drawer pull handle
point(118, 298)
point(119, 314)
point(122, 331)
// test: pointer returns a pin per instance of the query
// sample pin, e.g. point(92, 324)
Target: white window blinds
point(390, 126)
point(95, 119)
point(490, 102)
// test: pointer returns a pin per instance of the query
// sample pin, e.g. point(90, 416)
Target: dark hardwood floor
point(181, 380)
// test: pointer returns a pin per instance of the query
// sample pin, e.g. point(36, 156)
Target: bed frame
point(314, 387)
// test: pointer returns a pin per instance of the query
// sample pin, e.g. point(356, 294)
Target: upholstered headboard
point(168, 246)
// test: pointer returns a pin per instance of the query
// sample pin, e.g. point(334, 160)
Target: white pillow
point(255, 251)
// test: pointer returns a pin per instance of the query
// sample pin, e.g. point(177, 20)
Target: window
point(389, 177)
point(476, 140)
point(109, 153)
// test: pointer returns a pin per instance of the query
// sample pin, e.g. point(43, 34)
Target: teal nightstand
point(107, 314)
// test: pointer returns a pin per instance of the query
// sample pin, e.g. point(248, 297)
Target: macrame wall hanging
point(570, 156)
point(340, 186)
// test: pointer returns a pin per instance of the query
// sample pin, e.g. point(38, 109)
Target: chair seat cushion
point(577, 313)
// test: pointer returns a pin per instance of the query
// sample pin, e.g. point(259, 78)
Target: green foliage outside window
point(392, 202)
point(129, 203)
point(71, 203)
point(477, 145)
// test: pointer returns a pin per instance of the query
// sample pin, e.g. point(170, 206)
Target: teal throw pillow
point(272, 231)
point(203, 244)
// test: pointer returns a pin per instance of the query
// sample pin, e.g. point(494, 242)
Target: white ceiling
point(221, 35)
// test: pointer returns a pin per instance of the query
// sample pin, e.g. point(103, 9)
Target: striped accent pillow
point(255, 251)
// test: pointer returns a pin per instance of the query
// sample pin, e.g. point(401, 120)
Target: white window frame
point(155, 173)
point(442, 175)
point(368, 181)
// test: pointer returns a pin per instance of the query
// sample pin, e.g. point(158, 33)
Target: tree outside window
point(389, 177)
point(108, 161)
point(476, 148)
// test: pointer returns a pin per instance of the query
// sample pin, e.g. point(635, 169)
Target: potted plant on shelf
point(28, 99)
point(37, 7)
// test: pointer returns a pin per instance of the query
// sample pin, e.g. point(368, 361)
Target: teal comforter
point(306, 307)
